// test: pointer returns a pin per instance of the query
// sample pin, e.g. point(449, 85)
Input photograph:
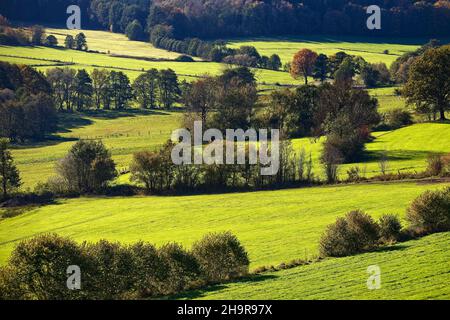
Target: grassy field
point(274, 226)
point(371, 49)
point(406, 149)
point(114, 43)
point(133, 67)
point(416, 269)
point(124, 133)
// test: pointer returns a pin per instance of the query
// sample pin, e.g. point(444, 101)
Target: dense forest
point(227, 18)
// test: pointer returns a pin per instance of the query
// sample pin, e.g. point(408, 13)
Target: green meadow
point(413, 270)
point(274, 226)
point(124, 133)
point(371, 49)
point(114, 43)
point(132, 67)
point(406, 149)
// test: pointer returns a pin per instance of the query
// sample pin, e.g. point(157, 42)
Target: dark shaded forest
point(230, 18)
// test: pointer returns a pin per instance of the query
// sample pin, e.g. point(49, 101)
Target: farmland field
point(123, 132)
point(133, 67)
point(371, 49)
point(274, 226)
point(114, 43)
point(411, 270)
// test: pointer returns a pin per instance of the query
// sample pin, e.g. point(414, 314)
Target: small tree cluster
point(79, 42)
point(341, 67)
point(87, 168)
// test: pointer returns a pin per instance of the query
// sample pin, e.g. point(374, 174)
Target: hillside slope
point(274, 226)
point(418, 269)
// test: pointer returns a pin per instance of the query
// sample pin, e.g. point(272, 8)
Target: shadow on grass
point(397, 247)
point(199, 293)
point(68, 121)
point(395, 155)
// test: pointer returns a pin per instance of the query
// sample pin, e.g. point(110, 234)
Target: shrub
point(221, 257)
point(390, 228)
point(184, 58)
point(355, 233)
point(40, 266)
point(113, 269)
point(10, 286)
point(435, 165)
point(430, 212)
point(181, 266)
point(149, 280)
point(398, 118)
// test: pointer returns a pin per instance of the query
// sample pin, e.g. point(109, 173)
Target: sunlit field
point(371, 49)
point(274, 226)
point(411, 270)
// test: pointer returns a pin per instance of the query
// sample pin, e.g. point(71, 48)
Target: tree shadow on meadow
point(395, 155)
point(68, 121)
point(199, 293)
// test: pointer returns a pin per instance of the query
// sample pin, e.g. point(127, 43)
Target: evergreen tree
point(83, 89)
point(69, 42)
point(9, 174)
point(80, 42)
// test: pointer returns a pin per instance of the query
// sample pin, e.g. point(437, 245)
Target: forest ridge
point(232, 18)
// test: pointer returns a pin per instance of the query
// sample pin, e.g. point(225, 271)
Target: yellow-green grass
point(114, 43)
point(416, 270)
point(387, 99)
point(133, 66)
point(371, 49)
point(407, 149)
point(274, 226)
point(124, 133)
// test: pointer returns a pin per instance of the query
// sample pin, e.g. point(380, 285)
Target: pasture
point(114, 43)
point(411, 270)
point(124, 133)
point(371, 49)
point(132, 67)
point(274, 226)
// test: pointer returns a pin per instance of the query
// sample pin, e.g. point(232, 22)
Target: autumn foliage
point(303, 64)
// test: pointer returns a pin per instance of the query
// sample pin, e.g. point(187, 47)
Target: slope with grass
point(417, 269)
point(133, 67)
point(124, 133)
point(274, 226)
point(114, 43)
point(371, 49)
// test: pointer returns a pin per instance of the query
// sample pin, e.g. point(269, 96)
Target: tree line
point(37, 269)
point(220, 19)
point(103, 89)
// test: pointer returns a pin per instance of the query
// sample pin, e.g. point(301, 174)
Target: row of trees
point(79, 90)
point(38, 268)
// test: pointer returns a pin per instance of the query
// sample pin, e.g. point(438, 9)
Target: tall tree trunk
point(442, 113)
